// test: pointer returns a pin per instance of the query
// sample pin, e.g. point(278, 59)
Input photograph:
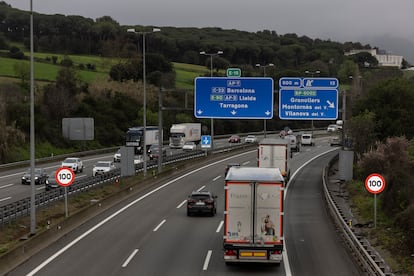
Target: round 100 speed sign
point(65, 177)
point(375, 183)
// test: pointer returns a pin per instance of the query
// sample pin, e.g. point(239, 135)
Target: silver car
point(102, 167)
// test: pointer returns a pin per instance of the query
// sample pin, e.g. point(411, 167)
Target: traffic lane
point(114, 238)
point(312, 244)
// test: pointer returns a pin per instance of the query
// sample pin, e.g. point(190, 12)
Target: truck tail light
point(230, 253)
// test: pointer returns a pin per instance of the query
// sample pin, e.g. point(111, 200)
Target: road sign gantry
point(233, 98)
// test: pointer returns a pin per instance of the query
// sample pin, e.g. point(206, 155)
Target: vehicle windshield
point(177, 135)
point(189, 143)
point(103, 164)
point(69, 160)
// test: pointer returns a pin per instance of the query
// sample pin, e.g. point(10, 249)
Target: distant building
point(383, 58)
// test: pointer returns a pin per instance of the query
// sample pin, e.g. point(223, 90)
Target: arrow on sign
point(267, 113)
point(233, 112)
point(199, 111)
point(330, 105)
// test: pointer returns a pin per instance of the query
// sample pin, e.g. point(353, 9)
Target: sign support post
point(375, 184)
point(65, 177)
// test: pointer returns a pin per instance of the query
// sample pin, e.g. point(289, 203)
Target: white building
point(383, 58)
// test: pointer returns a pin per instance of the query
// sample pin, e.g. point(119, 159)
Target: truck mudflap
point(233, 254)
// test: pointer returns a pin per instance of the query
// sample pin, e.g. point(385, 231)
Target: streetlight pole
point(211, 55)
point(264, 75)
point(144, 79)
point(32, 132)
point(312, 73)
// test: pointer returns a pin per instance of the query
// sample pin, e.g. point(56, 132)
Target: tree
point(22, 70)
point(392, 102)
point(362, 130)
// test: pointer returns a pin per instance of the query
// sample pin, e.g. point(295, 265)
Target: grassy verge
point(387, 238)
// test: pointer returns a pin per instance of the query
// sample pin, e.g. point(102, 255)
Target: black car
point(40, 176)
point(51, 182)
point(203, 202)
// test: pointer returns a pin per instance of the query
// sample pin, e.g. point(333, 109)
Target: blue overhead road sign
point(313, 99)
point(233, 98)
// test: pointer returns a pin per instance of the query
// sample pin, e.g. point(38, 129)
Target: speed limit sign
point(375, 183)
point(65, 177)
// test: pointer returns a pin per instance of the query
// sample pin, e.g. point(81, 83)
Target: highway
point(12, 190)
point(151, 235)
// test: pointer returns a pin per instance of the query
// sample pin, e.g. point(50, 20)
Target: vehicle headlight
point(36, 177)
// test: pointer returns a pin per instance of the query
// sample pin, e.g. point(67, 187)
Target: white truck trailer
point(134, 138)
point(185, 132)
point(275, 153)
point(253, 217)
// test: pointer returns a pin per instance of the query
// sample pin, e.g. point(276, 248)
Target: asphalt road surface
point(150, 234)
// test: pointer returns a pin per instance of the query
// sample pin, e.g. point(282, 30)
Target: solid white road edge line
point(130, 258)
point(207, 260)
point(102, 222)
point(6, 198)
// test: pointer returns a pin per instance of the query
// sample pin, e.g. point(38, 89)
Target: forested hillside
point(115, 100)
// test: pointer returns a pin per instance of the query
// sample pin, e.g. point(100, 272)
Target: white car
point(188, 146)
point(332, 128)
point(306, 139)
point(117, 156)
point(138, 159)
point(74, 163)
point(250, 139)
point(102, 167)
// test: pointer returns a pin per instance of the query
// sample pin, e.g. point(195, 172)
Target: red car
point(234, 139)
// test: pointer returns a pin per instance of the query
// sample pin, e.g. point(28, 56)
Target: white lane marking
point(102, 222)
point(217, 177)
point(130, 258)
point(207, 260)
point(284, 253)
point(181, 204)
point(40, 188)
point(6, 198)
point(7, 185)
point(159, 225)
point(219, 226)
point(202, 187)
point(245, 163)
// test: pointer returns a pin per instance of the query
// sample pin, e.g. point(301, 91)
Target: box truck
point(185, 132)
point(253, 216)
point(134, 138)
point(275, 153)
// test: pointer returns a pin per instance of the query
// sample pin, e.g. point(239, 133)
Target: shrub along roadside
point(387, 237)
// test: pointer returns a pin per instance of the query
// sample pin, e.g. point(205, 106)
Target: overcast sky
point(338, 20)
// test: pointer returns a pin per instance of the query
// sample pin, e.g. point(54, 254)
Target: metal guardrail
point(369, 260)
point(14, 210)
